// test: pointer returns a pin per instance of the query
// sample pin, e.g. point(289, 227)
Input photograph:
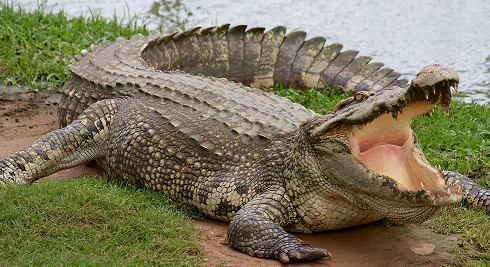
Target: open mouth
point(386, 143)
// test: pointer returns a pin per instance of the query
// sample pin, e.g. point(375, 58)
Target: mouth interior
point(386, 146)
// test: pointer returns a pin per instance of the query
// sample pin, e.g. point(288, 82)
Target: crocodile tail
point(262, 59)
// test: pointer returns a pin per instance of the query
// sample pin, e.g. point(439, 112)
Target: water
point(405, 35)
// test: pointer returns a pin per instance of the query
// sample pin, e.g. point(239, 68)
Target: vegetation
point(92, 222)
point(461, 142)
point(37, 47)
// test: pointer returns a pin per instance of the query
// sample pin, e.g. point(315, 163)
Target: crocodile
point(185, 114)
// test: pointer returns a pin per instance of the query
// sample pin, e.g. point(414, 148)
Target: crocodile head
point(367, 145)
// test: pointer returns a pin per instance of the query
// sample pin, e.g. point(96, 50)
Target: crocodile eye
point(357, 97)
point(361, 96)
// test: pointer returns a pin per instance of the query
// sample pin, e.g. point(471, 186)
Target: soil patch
point(24, 117)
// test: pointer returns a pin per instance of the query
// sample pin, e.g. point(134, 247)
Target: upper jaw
point(435, 81)
point(432, 86)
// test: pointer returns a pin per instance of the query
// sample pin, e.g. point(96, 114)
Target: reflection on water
point(170, 14)
point(405, 35)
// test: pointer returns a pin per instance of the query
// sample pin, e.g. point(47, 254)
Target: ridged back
point(251, 57)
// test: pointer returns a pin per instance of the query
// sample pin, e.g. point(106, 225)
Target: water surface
point(405, 35)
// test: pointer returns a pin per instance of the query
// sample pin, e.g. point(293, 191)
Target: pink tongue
point(390, 160)
point(385, 158)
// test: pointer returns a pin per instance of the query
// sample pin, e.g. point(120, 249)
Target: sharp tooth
point(427, 94)
point(409, 96)
point(434, 89)
point(446, 108)
point(401, 110)
point(423, 187)
point(395, 115)
point(455, 85)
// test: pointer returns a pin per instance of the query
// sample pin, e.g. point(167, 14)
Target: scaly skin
point(246, 156)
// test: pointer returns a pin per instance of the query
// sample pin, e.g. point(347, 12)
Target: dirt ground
point(24, 117)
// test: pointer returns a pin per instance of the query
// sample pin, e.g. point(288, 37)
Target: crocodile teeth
point(434, 89)
point(423, 186)
point(446, 108)
point(395, 115)
point(427, 94)
point(448, 192)
point(455, 86)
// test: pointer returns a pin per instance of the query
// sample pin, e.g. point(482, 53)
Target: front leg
point(256, 230)
point(81, 141)
point(472, 193)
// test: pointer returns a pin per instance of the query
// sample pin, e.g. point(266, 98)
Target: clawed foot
point(303, 253)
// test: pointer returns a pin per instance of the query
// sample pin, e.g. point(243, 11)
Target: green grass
point(313, 99)
point(461, 142)
point(92, 222)
point(37, 47)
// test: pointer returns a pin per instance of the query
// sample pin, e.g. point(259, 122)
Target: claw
point(283, 257)
point(94, 48)
point(85, 53)
point(307, 254)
